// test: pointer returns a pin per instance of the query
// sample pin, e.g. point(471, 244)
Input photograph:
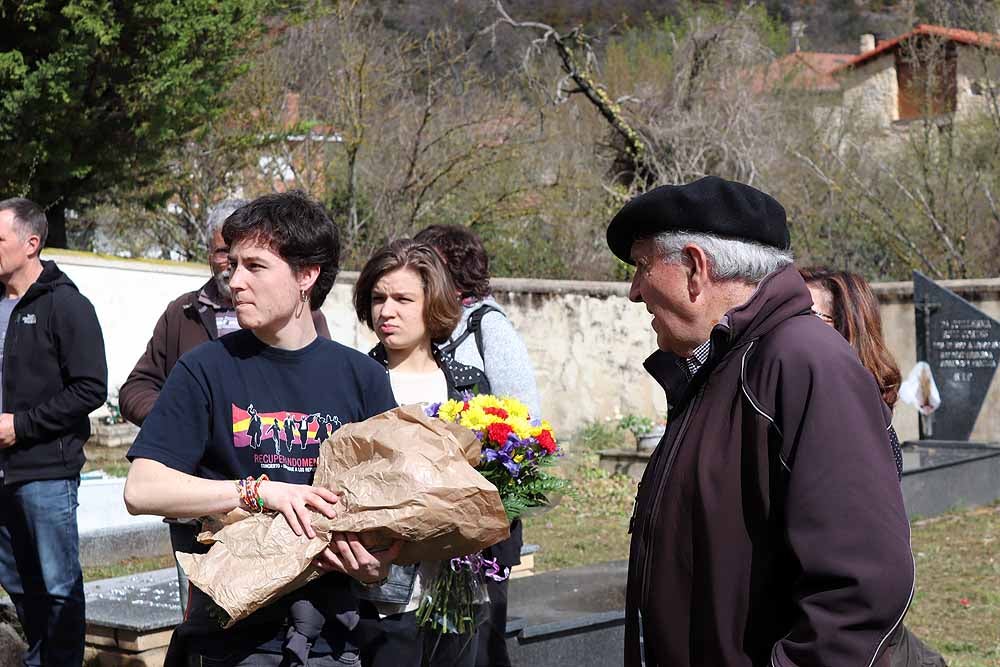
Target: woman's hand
point(347, 554)
point(294, 502)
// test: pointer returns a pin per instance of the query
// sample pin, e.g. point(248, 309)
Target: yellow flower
point(514, 407)
point(484, 401)
point(475, 419)
point(521, 427)
point(449, 410)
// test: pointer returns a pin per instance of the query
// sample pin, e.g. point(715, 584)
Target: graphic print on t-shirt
point(282, 438)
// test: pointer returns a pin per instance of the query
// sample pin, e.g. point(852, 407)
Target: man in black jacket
point(53, 373)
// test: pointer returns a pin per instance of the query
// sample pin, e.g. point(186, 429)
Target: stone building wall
point(976, 72)
point(587, 341)
point(871, 93)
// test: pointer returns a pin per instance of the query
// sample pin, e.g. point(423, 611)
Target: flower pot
point(650, 439)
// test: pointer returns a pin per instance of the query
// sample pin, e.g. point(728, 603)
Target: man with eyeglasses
point(190, 320)
point(769, 526)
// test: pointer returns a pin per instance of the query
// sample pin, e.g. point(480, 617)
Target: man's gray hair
point(728, 259)
point(217, 215)
point(29, 218)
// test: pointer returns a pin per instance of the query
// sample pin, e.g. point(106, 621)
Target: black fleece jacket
point(54, 374)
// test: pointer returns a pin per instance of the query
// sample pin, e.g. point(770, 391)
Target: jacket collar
point(50, 278)
point(210, 296)
point(781, 295)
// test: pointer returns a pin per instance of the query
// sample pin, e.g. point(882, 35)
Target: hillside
point(829, 25)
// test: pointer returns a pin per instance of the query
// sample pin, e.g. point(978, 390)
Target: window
point(926, 73)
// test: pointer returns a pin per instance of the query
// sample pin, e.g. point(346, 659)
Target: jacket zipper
point(658, 496)
point(7, 341)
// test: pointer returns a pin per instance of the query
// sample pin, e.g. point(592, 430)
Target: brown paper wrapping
point(401, 475)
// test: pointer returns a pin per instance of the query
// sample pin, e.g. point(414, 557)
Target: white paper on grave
point(920, 390)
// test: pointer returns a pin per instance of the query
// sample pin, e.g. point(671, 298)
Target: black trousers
point(397, 641)
point(492, 651)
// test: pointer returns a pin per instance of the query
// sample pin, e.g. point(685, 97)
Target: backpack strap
point(473, 326)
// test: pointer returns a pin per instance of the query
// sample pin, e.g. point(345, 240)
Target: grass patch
point(957, 606)
point(589, 525)
point(128, 566)
point(109, 459)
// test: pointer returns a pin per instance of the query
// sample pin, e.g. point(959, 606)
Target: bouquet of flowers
point(516, 450)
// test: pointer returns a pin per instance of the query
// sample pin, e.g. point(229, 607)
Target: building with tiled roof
point(930, 72)
point(801, 70)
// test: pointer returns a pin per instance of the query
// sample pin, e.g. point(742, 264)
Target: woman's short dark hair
point(442, 310)
point(856, 317)
point(464, 255)
point(294, 227)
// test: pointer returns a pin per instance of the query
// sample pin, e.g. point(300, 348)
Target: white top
point(408, 389)
point(423, 388)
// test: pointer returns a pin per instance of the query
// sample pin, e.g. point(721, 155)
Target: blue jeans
point(40, 568)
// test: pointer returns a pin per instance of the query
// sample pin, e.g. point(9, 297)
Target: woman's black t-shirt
point(236, 407)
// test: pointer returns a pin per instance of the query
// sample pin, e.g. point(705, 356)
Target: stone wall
point(976, 72)
point(871, 93)
point(587, 340)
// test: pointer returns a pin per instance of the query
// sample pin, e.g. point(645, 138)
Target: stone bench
point(571, 616)
point(130, 619)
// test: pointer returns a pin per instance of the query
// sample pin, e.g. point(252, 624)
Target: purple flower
point(432, 409)
point(504, 458)
point(475, 563)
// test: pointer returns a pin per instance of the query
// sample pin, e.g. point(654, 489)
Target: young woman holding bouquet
point(405, 295)
point(486, 339)
point(200, 450)
point(845, 302)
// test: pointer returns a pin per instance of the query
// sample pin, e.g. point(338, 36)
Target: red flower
point(498, 432)
point(547, 442)
point(499, 412)
point(964, 602)
point(465, 406)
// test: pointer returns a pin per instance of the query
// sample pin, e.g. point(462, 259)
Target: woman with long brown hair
point(846, 302)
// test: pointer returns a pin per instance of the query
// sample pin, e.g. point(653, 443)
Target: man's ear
point(698, 274)
point(34, 245)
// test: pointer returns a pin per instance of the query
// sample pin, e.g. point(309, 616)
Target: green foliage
point(600, 435)
point(92, 92)
point(597, 435)
point(636, 425)
point(531, 489)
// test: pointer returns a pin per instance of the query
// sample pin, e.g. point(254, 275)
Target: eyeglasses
point(823, 316)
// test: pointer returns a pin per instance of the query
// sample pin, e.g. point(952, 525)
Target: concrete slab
point(146, 602)
point(573, 616)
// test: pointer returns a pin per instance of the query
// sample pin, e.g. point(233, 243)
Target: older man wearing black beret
point(769, 527)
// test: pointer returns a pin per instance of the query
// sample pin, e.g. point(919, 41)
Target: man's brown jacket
point(769, 526)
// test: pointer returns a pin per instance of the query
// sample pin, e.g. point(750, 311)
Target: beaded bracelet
point(249, 492)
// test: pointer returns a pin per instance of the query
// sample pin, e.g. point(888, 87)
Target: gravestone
point(574, 616)
point(130, 619)
point(961, 344)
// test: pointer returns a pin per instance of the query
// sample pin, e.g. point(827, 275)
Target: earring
point(303, 296)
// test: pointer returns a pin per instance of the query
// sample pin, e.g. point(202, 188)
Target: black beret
point(710, 205)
